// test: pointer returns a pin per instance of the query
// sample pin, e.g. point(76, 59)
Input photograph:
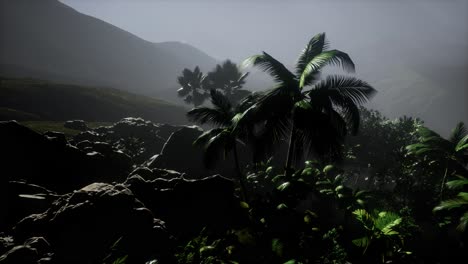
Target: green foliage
point(459, 204)
point(380, 232)
point(315, 119)
point(444, 157)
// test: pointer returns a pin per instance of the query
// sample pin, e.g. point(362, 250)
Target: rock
point(6, 243)
point(20, 199)
point(135, 137)
point(186, 206)
point(179, 154)
point(166, 130)
point(57, 137)
point(82, 226)
point(60, 167)
point(76, 125)
point(32, 251)
point(152, 174)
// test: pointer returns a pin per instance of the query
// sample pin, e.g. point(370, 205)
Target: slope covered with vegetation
point(26, 99)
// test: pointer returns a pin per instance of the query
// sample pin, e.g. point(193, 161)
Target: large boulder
point(181, 155)
point(186, 206)
point(83, 227)
point(49, 161)
point(20, 199)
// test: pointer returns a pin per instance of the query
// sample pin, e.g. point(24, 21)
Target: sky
point(417, 47)
point(240, 28)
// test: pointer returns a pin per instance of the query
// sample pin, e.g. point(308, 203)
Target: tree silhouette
point(221, 140)
point(192, 86)
point(315, 115)
point(230, 80)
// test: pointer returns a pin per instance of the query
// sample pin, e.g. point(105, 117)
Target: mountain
point(48, 40)
point(28, 99)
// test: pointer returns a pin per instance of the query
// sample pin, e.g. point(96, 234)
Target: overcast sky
point(236, 29)
point(415, 52)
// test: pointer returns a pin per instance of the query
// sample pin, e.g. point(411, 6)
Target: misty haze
point(218, 131)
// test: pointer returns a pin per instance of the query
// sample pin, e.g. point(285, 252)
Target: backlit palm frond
point(219, 145)
point(273, 67)
point(331, 57)
point(346, 93)
point(204, 115)
point(458, 133)
point(316, 45)
point(220, 101)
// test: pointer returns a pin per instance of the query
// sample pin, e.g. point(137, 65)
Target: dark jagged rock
point(6, 243)
point(76, 125)
point(179, 154)
point(50, 162)
point(135, 137)
point(34, 250)
point(155, 173)
point(82, 226)
point(186, 206)
point(20, 199)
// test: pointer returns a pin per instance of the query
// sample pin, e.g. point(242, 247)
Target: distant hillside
point(26, 99)
point(48, 40)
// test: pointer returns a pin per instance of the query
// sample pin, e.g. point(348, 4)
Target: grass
point(43, 126)
point(27, 99)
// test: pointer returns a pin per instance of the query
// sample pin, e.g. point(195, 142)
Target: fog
point(421, 45)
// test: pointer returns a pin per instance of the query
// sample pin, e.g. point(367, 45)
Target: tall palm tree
point(229, 79)
point(192, 86)
point(448, 155)
point(222, 139)
point(314, 114)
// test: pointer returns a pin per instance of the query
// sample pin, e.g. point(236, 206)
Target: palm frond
point(203, 115)
point(220, 101)
point(458, 133)
point(345, 92)
point(219, 145)
point(273, 67)
point(457, 184)
point(316, 45)
point(339, 87)
point(462, 145)
point(331, 57)
point(321, 133)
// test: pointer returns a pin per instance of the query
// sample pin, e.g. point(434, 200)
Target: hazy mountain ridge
point(50, 37)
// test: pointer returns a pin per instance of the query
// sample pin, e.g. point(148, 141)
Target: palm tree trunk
point(442, 185)
point(292, 138)
point(239, 174)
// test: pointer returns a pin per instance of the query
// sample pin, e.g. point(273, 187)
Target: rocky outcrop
point(100, 219)
point(49, 161)
point(20, 199)
point(76, 125)
point(186, 206)
point(34, 250)
point(136, 137)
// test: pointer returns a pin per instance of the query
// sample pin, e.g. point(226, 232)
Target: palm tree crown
point(229, 79)
point(192, 86)
point(315, 114)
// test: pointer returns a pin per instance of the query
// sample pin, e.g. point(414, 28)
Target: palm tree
point(229, 79)
point(192, 86)
point(459, 202)
point(448, 155)
point(315, 115)
point(220, 140)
